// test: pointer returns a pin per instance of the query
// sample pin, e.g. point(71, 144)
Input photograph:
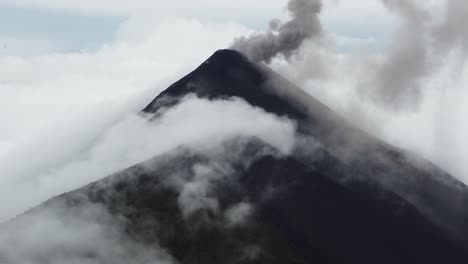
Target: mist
point(86, 235)
point(128, 141)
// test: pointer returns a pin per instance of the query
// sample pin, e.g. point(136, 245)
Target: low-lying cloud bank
point(88, 235)
point(30, 180)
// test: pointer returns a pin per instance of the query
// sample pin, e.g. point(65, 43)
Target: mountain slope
point(300, 215)
point(341, 196)
point(229, 74)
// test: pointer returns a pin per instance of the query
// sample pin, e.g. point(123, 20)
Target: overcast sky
point(69, 69)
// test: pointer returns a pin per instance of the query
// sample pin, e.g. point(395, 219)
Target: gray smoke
point(397, 83)
point(453, 31)
point(283, 38)
point(419, 50)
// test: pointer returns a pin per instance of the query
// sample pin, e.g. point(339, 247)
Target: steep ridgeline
point(342, 196)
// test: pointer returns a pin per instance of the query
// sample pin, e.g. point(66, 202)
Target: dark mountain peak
point(227, 73)
point(228, 56)
point(229, 53)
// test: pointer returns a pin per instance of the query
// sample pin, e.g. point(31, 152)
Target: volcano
point(340, 196)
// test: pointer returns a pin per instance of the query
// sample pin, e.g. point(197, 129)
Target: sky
point(75, 72)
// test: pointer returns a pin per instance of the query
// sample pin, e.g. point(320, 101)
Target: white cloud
point(40, 91)
point(86, 235)
point(95, 149)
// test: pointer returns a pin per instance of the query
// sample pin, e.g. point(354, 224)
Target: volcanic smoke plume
point(283, 38)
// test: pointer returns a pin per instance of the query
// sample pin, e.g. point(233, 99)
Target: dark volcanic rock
point(223, 75)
